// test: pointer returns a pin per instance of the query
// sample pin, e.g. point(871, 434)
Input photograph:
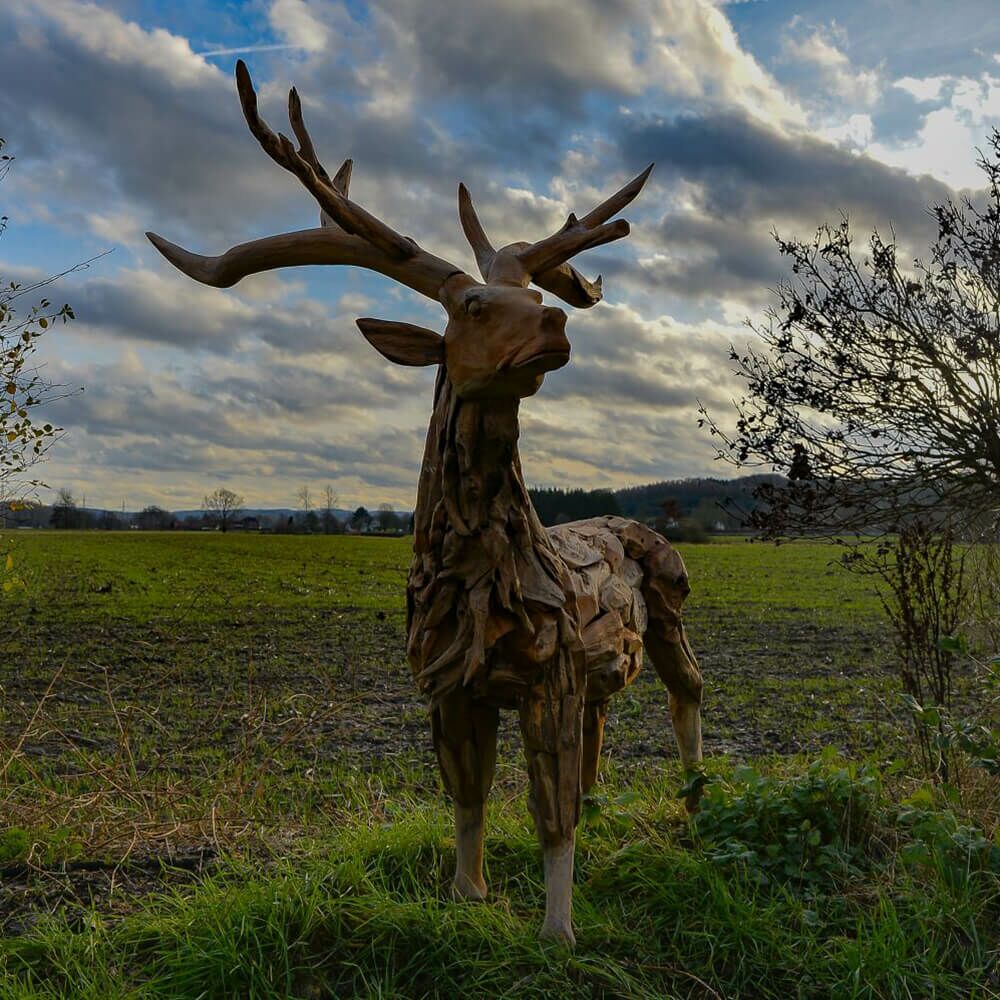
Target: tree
point(329, 518)
point(304, 497)
point(224, 507)
point(672, 510)
point(361, 519)
point(65, 513)
point(153, 518)
point(557, 506)
point(108, 520)
point(23, 385)
point(876, 389)
point(387, 518)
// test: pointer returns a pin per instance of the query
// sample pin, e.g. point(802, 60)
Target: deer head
point(500, 339)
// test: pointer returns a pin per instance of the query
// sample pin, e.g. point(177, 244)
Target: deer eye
point(473, 306)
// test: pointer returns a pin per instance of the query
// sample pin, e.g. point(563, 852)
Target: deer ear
point(403, 343)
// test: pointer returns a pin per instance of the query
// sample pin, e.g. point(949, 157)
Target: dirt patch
point(76, 889)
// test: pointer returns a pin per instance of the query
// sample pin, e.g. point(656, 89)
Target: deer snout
point(553, 318)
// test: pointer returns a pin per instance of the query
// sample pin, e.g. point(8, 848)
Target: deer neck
point(483, 566)
point(471, 486)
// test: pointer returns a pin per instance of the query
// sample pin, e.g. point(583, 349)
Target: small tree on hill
point(387, 518)
point(361, 519)
point(304, 497)
point(224, 507)
point(153, 518)
point(327, 514)
point(65, 513)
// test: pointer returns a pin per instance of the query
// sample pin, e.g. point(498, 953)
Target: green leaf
point(952, 644)
point(627, 798)
point(696, 781)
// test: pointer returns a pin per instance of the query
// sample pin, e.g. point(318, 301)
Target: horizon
point(757, 115)
point(347, 507)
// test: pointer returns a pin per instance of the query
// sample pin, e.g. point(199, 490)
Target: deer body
point(501, 612)
point(506, 614)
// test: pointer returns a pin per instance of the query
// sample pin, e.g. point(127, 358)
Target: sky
point(760, 116)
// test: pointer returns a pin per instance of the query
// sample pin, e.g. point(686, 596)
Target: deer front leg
point(465, 738)
point(552, 731)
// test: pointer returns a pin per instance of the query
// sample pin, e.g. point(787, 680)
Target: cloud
point(124, 117)
point(840, 80)
point(943, 145)
point(295, 21)
point(525, 57)
point(742, 179)
point(923, 89)
point(185, 432)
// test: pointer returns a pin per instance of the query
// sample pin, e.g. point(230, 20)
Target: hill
point(704, 500)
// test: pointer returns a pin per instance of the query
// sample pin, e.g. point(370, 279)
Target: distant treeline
point(695, 506)
point(68, 516)
point(556, 506)
point(692, 495)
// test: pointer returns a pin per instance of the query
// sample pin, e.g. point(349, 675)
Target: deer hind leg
point(551, 725)
point(595, 714)
point(465, 738)
point(677, 667)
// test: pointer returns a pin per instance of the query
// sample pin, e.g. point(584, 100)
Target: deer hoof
point(465, 889)
point(558, 932)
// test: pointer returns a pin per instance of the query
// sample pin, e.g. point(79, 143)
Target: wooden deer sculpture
point(501, 612)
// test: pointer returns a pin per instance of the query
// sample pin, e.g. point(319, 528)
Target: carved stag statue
point(501, 612)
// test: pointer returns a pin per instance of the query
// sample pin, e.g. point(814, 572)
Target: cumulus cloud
point(965, 110)
point(744, 179)
point(840, 80)
point(295, 21)
point(530, 57)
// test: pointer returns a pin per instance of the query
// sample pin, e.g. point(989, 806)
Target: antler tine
point(260, 130)
point(558, 248)
point(566, 282)
point(342, 178)
point(613, 205)
point(306, 149)
point(474, 232)
point(577, 235)
point(340, 183)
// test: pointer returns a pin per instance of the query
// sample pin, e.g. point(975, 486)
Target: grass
point(216, 780)
point(364, 912)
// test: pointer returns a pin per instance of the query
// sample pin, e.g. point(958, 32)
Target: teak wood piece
point(501, 612)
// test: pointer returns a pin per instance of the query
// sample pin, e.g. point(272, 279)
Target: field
point(217, 780)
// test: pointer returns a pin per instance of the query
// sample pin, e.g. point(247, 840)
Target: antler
point(349, 234)
point(545, 262)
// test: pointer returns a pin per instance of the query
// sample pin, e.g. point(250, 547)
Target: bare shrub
point(923, 590)
point(983, 572)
